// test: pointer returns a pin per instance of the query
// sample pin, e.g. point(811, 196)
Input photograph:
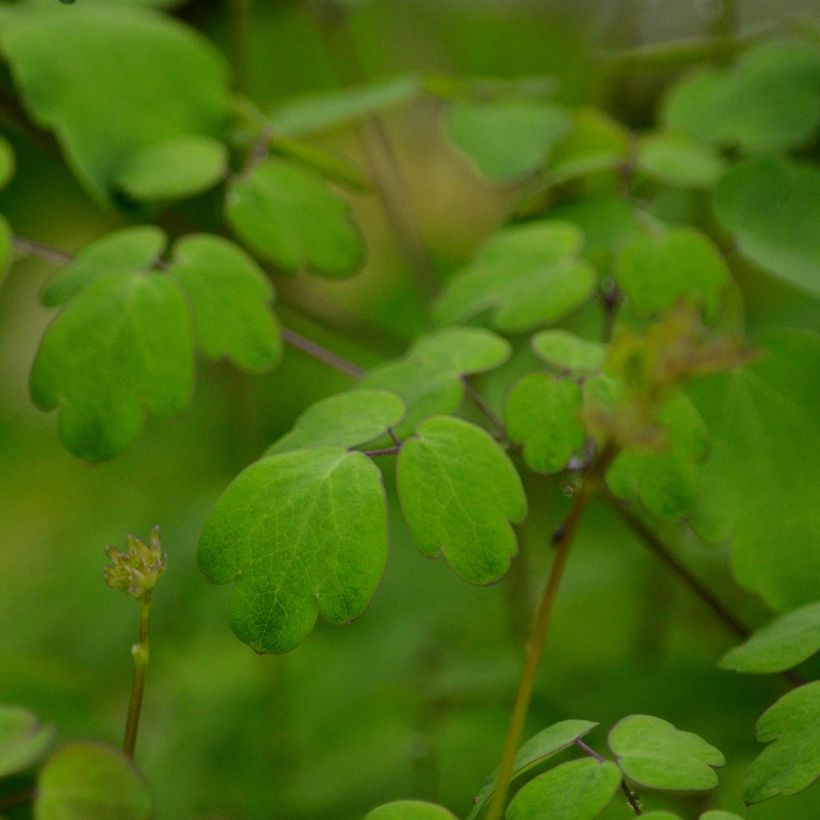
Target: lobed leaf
point(542, 413)
point(121, 348)
point(526, 275)
point(460, 493)
point(298, 534)
point(409, 810)
point(656, 755)
point(577, 790)
point(23, 739)
point(565, 351)
point(674, 158)
point(346, 420)
point(782, 644)
point(286, 214)
point(83, 780)
point(507, 139)
point(791, 762)
point(112, 81)
point(230, 300)
point(536, 750)
point(772, 206)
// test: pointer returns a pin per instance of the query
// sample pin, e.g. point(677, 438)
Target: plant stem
point(483, 407)
point(28, 247)
point(565, 535)
point(140, 652)
point(322, 354)
point(630, 795)
point(384, 451)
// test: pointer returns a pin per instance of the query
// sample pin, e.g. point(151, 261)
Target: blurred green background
point(413, 699)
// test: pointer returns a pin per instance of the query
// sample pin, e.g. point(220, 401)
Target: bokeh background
point(413, 699)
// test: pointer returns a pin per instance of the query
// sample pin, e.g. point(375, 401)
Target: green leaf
point(676, 159)
point(567, 352)
point(607, 223)
point(507, 139)
point(716, 814)
point(298, 534)
point(23, 739)
point(772, 207)
point(791, 762)
point(83, 780)
point(660, 815)
point(428, 378)
point(459, 493)
point(332, 166)
point(123, 251)
point(6, 162)
point(286, 214)
point(6, 247)
point(783, 643)
point(656, 755)
point(230, 298)
point(768, 101)
point(657, 269)
point(534, 752)
point(112, 81)
point(175, 168)
point(410, 810)
point(121, 348)
point(759, 487)
point(578, 790)
point(542, 413)
point(527, 275)
point(329, 109)
point(346, 420)
point(596, 143)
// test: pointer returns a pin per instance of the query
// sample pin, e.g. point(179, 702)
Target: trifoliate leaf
point(298, 534)
point(175, 168)
point(782, 644)
point(230, 298)
point(674, 158)
point(527, 275)
point(6, 247)
point(578, 790)
point(83, 780)
point(595, 143)
point(23, 739)
point(772, 208)
point(286, 214)
point(534, 752)
point(656, 755)
point(767, 101)
point(328, 109)
point(655, 270)
point(112, 81)
point(507, 139)
point(121, 348)
point(429, 378)
point(410, 810)
point(460, 494)
point(791, 762)
point(123, 251)
point(345, 420)
point(759, 487)
point(6, 162)
point(567, 352)
point(542, 413)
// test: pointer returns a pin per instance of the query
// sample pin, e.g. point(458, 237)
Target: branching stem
point(631, 797)
point(538, 634)
point(140, 652)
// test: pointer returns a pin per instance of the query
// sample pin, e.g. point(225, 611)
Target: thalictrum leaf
point(286, 214)
point(410, 810)
point(565, 351)
point(298, 534)
point(230, 298)
point(23, 739)
point(460, 493)
point(121, 348)
point(791, 762)
point(656, 755)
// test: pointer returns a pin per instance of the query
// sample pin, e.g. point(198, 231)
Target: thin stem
point(28, 247)
point(663, 551)
point(535, 645)
point(630, 795)
point(140, 652)
point(383, 451)
point(483, 407)
point(322, 354)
